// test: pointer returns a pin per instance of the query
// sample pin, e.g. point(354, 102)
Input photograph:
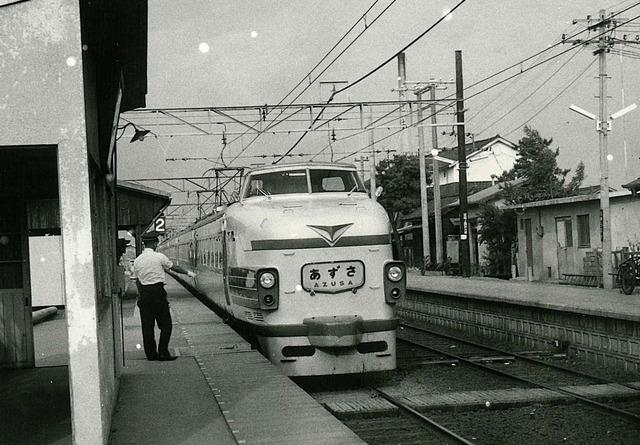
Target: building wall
point(42, 102)
point(498, 158)
point(40, 82)
point(625, 223)
point(547, 259)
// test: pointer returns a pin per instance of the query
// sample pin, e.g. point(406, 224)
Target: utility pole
point(426, 247)
point(372, 179)
point(418, 89)
point(463, 245)
point(402, 79)
point(361, 161)
point(603, 126)
point(436, 175)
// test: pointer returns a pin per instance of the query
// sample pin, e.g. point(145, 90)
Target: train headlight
point(268, 300)
point(394, 273)
point(268, 288)
point(267, 280)
point(395, 281)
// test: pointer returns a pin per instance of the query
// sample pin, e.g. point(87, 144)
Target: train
point(303, 261)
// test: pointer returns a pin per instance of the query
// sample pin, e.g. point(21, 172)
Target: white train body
point(304, 260)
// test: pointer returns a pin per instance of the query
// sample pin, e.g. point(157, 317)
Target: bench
point(580, 279)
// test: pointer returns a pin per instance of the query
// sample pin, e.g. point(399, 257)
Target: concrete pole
point(361, 169)
point(372, 180)
point(402, 79)
point(607, 280)
point(436, 181)
point(463, 247)
point(426, 248)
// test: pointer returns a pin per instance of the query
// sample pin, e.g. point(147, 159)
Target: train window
point(277, 183)
point(334, 181)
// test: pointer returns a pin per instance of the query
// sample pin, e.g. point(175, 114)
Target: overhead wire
point(380, 66)
point(487, 105)
point(410, 44)
point(520, 63)
point(366, 28)
point(542, 84)
point(554, 98)
point(522, 71)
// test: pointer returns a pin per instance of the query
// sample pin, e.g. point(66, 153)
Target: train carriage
point(304, 261)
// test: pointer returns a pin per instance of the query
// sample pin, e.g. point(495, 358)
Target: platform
point(218, 391)
point(598, 325)
point(577, 299)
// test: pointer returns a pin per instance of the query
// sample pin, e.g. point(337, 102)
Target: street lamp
point(603, 127)
point(139, 134)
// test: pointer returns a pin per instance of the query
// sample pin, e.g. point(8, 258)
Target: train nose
point(334, 331)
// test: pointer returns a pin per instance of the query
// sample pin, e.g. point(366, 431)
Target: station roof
point(117, 31)
point(139, 205)
point(634, 186)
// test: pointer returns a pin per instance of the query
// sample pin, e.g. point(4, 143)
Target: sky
point(258, 50)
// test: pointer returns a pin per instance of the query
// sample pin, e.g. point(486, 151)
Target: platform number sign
point(160, 224)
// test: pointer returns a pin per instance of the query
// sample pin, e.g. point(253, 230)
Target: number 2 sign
point(160, 224)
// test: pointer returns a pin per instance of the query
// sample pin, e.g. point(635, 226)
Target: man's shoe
point(166, 358)
point(153, 358)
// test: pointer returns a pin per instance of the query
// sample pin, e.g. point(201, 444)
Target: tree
point(400, 180)
point(498, 230)
point(538, 168)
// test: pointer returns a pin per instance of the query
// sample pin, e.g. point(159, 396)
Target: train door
point(225, 266)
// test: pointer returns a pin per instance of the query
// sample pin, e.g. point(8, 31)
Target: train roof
point(301, 164)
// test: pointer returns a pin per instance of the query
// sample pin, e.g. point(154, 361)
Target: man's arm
point(182, 270)
point(167, 264)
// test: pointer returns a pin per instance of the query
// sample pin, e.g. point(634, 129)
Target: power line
point(542, 84)
point(556, 97)
point(398, 52)
point(506, 79)
point(328, 66)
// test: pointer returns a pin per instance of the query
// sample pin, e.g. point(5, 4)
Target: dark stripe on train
point(301, 330)
point(315, 243)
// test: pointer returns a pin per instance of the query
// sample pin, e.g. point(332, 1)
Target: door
point(16, 329)
point(45, 262)
point(528, 247)
point(564, 233)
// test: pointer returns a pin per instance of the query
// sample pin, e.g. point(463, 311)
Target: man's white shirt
point(150, 267)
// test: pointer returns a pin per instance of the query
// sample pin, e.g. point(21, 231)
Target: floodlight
point(585, 113)
point(624, 111)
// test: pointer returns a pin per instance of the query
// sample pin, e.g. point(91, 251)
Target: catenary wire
point(528, 96)
point(328, 66)
point(572, 48)
point(553, 99)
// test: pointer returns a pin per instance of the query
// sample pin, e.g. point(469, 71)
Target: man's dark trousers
point(154, 307)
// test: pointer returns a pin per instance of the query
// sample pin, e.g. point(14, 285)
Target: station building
point(561, 239)
point(69, 68)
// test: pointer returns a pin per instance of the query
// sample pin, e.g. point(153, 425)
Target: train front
point(319, 251)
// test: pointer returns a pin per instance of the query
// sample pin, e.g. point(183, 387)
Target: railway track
point(528, 370)
point(427, 400)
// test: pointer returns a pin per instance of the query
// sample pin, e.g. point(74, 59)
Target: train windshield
point(323, 181)
point(298, 181)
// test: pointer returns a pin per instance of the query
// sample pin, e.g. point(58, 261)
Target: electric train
point(303, 261)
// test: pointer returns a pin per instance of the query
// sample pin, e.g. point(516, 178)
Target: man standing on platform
point(149, 268)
